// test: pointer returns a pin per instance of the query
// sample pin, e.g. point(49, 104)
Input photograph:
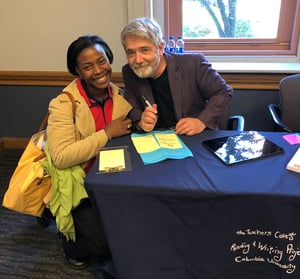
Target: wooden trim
point(35, 78)
point(1, 143)
point(253, 81)
point(44, 78)
point(259, 81)
point(18, 143)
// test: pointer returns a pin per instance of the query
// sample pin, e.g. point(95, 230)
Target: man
point(168, 90)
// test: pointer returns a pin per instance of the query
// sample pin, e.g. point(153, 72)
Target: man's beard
point(144, 71)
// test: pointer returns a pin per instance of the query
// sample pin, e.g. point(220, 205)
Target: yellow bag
point(29, 184)
point(29, 187)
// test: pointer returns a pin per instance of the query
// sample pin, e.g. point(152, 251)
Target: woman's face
point(93, 66)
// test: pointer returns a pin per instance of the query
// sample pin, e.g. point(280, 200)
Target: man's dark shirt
point(163, 98)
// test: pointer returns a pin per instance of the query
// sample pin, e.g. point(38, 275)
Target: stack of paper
point(294, 163)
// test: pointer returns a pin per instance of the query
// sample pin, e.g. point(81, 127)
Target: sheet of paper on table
point(294, 163)
point(293, 138)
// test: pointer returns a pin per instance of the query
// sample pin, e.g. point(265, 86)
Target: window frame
point(286, 43)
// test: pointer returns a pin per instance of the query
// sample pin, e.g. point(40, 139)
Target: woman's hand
point(118, 127)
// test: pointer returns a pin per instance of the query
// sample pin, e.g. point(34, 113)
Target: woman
point(101, 114)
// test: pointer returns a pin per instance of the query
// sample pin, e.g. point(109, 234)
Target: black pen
point(146, 101)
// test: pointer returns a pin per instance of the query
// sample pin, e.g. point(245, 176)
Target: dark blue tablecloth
point(197, 218)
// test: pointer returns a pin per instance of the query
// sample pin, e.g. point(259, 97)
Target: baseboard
point(18, 143)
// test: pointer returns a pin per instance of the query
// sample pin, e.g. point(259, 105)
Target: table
point(197, 218)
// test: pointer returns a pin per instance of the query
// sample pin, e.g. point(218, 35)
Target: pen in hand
point(146, 101)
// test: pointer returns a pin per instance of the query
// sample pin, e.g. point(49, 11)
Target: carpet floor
point(26, 249)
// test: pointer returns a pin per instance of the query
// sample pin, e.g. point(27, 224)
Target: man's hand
point(189, 126)
point(149, 118)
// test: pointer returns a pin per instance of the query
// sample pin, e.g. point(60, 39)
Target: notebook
point(242, 147)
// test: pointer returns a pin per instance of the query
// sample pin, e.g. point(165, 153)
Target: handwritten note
point(168, 141)
point(263, 246)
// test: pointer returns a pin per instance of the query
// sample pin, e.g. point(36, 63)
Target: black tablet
point(242, 147)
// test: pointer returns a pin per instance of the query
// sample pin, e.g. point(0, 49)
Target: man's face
point(144, 58)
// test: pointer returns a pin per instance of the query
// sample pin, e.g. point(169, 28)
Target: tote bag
point(29, 184)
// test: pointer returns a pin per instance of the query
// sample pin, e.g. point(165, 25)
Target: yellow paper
point(111, 160)
point(168, 141)
point(145, 143)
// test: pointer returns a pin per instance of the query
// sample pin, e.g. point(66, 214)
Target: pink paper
point(292, 138)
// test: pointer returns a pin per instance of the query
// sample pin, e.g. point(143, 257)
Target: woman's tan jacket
point(72, 143)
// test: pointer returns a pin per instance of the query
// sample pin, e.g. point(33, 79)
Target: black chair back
point(289, 89)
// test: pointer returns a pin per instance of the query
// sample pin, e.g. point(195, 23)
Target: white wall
point(35, 34)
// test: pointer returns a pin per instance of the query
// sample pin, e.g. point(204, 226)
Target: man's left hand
point(189, 126)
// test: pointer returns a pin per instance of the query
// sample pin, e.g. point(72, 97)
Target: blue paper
point(162, 153)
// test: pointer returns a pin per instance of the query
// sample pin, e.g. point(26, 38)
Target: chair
point(286, 114)
point(231, 122)
point(236, 122)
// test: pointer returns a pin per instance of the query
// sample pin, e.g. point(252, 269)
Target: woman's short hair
point(145, 28)
point(80, 44)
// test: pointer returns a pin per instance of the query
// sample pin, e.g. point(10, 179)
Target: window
point(253, 27)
